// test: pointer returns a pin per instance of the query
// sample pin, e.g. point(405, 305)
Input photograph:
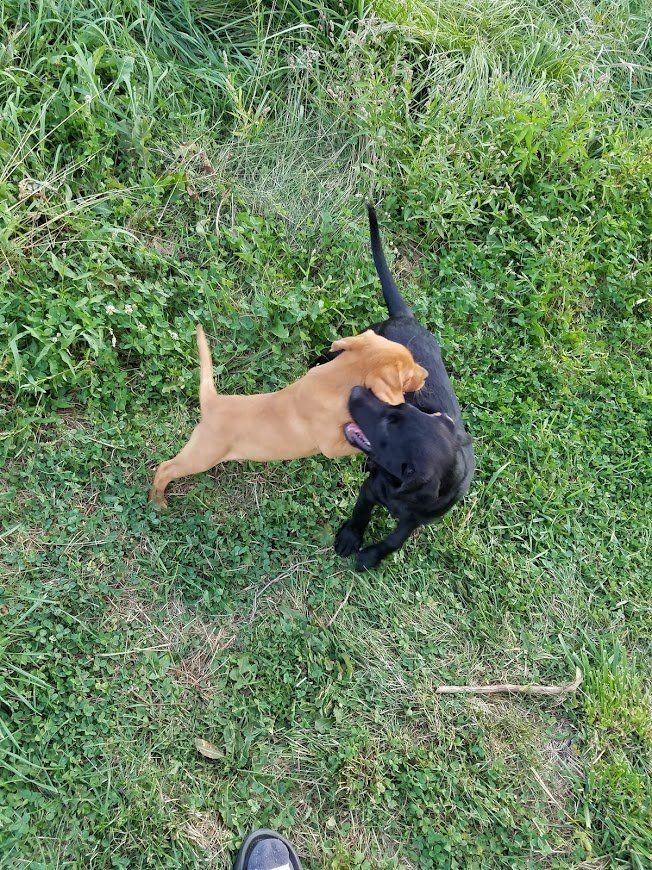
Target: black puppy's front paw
point(348, 540)
point(368, 558)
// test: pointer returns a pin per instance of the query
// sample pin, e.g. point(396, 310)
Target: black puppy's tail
point(396, 305)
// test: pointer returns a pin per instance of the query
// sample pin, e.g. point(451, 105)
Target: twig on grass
point(493, 689)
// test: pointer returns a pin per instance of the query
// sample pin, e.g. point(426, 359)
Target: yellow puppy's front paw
point(350, 341)
point(340, 344)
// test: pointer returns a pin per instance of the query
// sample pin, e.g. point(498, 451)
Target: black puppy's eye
point(407, 470)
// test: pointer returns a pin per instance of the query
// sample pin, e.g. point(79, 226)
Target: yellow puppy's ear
point(386, 384)
point(351, 342)
point(416, 378)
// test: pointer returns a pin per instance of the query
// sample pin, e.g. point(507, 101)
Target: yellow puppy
point(302, 419)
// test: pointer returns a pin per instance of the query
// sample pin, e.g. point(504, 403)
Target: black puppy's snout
point(357, 394)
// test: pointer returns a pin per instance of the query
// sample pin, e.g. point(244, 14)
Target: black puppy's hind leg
point(348, 540)
point(372, 555)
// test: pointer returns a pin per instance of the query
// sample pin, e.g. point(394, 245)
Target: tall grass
point(533, 46)
point(289, 101)
point(130, 84)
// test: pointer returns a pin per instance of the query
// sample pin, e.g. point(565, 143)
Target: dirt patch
point(194, 671)
point(207, 831)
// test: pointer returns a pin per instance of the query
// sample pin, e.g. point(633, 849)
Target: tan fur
point(303, 419)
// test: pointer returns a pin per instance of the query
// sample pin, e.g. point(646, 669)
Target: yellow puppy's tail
point(206, 386)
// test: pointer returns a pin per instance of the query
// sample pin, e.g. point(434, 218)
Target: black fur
point(421, 460)
point(396, 305)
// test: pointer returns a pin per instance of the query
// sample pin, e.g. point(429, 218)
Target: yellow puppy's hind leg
point(203, 449)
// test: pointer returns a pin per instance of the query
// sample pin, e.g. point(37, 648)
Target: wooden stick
point(509, 687)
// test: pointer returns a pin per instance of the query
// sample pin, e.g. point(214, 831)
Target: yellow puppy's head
point(391, 381)
point(389, 368)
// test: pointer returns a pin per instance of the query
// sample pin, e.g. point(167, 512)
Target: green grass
point(163, 163)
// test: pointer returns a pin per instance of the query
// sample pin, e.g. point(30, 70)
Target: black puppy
point(419, 457)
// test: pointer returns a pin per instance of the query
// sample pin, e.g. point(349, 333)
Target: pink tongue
point(354, 430)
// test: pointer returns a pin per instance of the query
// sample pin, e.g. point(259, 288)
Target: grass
point(163, 163)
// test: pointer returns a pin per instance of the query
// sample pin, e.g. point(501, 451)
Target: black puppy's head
point(419, 450)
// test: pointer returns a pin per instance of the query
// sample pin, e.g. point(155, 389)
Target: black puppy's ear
point(414, 482)
point(462, 438)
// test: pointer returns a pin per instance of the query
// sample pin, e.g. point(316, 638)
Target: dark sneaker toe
point(269, 855)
